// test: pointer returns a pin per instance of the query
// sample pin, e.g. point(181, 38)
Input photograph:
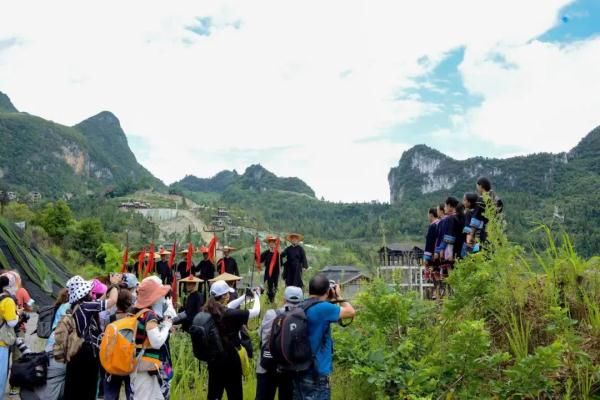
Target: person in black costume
point(181, 270)
point(271, 277)
point(295, 261)
point(193, 302)
point(227, 264)
point(162, 268)
point(205, 269)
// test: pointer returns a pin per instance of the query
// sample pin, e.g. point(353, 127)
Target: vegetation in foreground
point(518, 326)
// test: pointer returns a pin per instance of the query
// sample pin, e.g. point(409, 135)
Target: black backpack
point(289, 346)
point(45, 320)
point(206, 340)
point(29, 371)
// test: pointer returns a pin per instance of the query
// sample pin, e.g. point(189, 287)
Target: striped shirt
point(141, 336)
point(87, 321)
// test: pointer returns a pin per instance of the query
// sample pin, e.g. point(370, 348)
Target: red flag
point(257, 254)
point(125, 258)
point(274, 257)
point(150, 265)
point(140, 265)
point(188, 258)
point(222, 265)
point(173, 254)
point(212, 249)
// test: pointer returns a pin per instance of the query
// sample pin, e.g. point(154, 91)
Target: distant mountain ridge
point(255, 178)
point(423, 170)
point(56, 160)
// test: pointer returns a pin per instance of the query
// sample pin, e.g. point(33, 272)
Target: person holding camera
point(314, 383)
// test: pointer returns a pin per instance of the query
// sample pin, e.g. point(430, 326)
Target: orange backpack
point(118, 348)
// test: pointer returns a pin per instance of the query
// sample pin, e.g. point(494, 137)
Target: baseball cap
point(130, 281)
point(293, 294)
point(219, 288)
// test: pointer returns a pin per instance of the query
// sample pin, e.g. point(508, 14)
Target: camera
point(331, 295)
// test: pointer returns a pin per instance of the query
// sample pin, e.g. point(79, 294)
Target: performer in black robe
point(163, 270)
point(295, 261)
point(193, 303)
point(205, 269)
point(272, 279)
point(228, 263)
point(181, 270)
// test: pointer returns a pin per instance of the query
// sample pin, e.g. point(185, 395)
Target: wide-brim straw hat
point(229, 248)
point(184, 251)
point(164, 253)
point(149, 292)
point(270, 238)
point(203, 249)
point(227, 277)
point(190, 279)
point(290, 236)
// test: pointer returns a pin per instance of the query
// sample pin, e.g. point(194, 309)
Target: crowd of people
point(457, 229)
point(94, 322)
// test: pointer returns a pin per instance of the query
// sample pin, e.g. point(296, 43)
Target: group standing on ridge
point(457, 229)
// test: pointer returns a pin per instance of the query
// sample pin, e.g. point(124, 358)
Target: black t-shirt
point(230, 325)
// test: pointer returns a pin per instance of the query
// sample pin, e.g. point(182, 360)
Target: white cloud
point(546, 103)
point(312, 77)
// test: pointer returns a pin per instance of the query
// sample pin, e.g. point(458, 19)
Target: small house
point(397, 254)
point(351, 279)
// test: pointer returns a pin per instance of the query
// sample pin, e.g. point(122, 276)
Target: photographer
point(314, 383)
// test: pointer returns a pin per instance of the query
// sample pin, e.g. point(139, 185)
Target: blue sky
point(332, 92)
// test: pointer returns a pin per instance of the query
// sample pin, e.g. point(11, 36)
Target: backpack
point(206, 339)
point(67, 342)
point(45, 319)
point(118, 348)
point(289, 346)
point(29, 371)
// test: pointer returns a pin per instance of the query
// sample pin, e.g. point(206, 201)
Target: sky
point(330, 91)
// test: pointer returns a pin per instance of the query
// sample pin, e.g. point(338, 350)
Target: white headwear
point(78, 288)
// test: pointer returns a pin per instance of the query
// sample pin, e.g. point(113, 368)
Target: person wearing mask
point(150, 379)
point(193, 303)
point(112, 383)
point(295, 261)
point(9, 320)
point(270, 382)
point(225, 373)
point(81, 382)
point(314, 383)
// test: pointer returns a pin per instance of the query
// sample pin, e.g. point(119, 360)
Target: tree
point(88, 236)
point(109, 257)
point(19, 212)
point(56, 219)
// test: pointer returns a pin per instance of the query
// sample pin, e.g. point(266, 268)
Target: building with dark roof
point(351, 279)
point(397, 254)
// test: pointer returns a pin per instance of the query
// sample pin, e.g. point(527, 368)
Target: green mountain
point(256, 179)
point(57, 160)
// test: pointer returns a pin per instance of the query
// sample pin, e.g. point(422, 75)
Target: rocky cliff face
point(40, 155)
point(423, 170)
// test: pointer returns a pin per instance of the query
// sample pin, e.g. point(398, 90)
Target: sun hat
point(12, 282)
point(190, 279)
point(203, 249)
point(98, 288)
point(293, 294)
point(219, 288)
point(130, 281)
point(298, 236)
point(78, 288)
point(227, 277)
point(229, 248)
point(150, 292)
point(270, 238)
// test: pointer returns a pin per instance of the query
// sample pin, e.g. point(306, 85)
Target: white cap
point(219, 288)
